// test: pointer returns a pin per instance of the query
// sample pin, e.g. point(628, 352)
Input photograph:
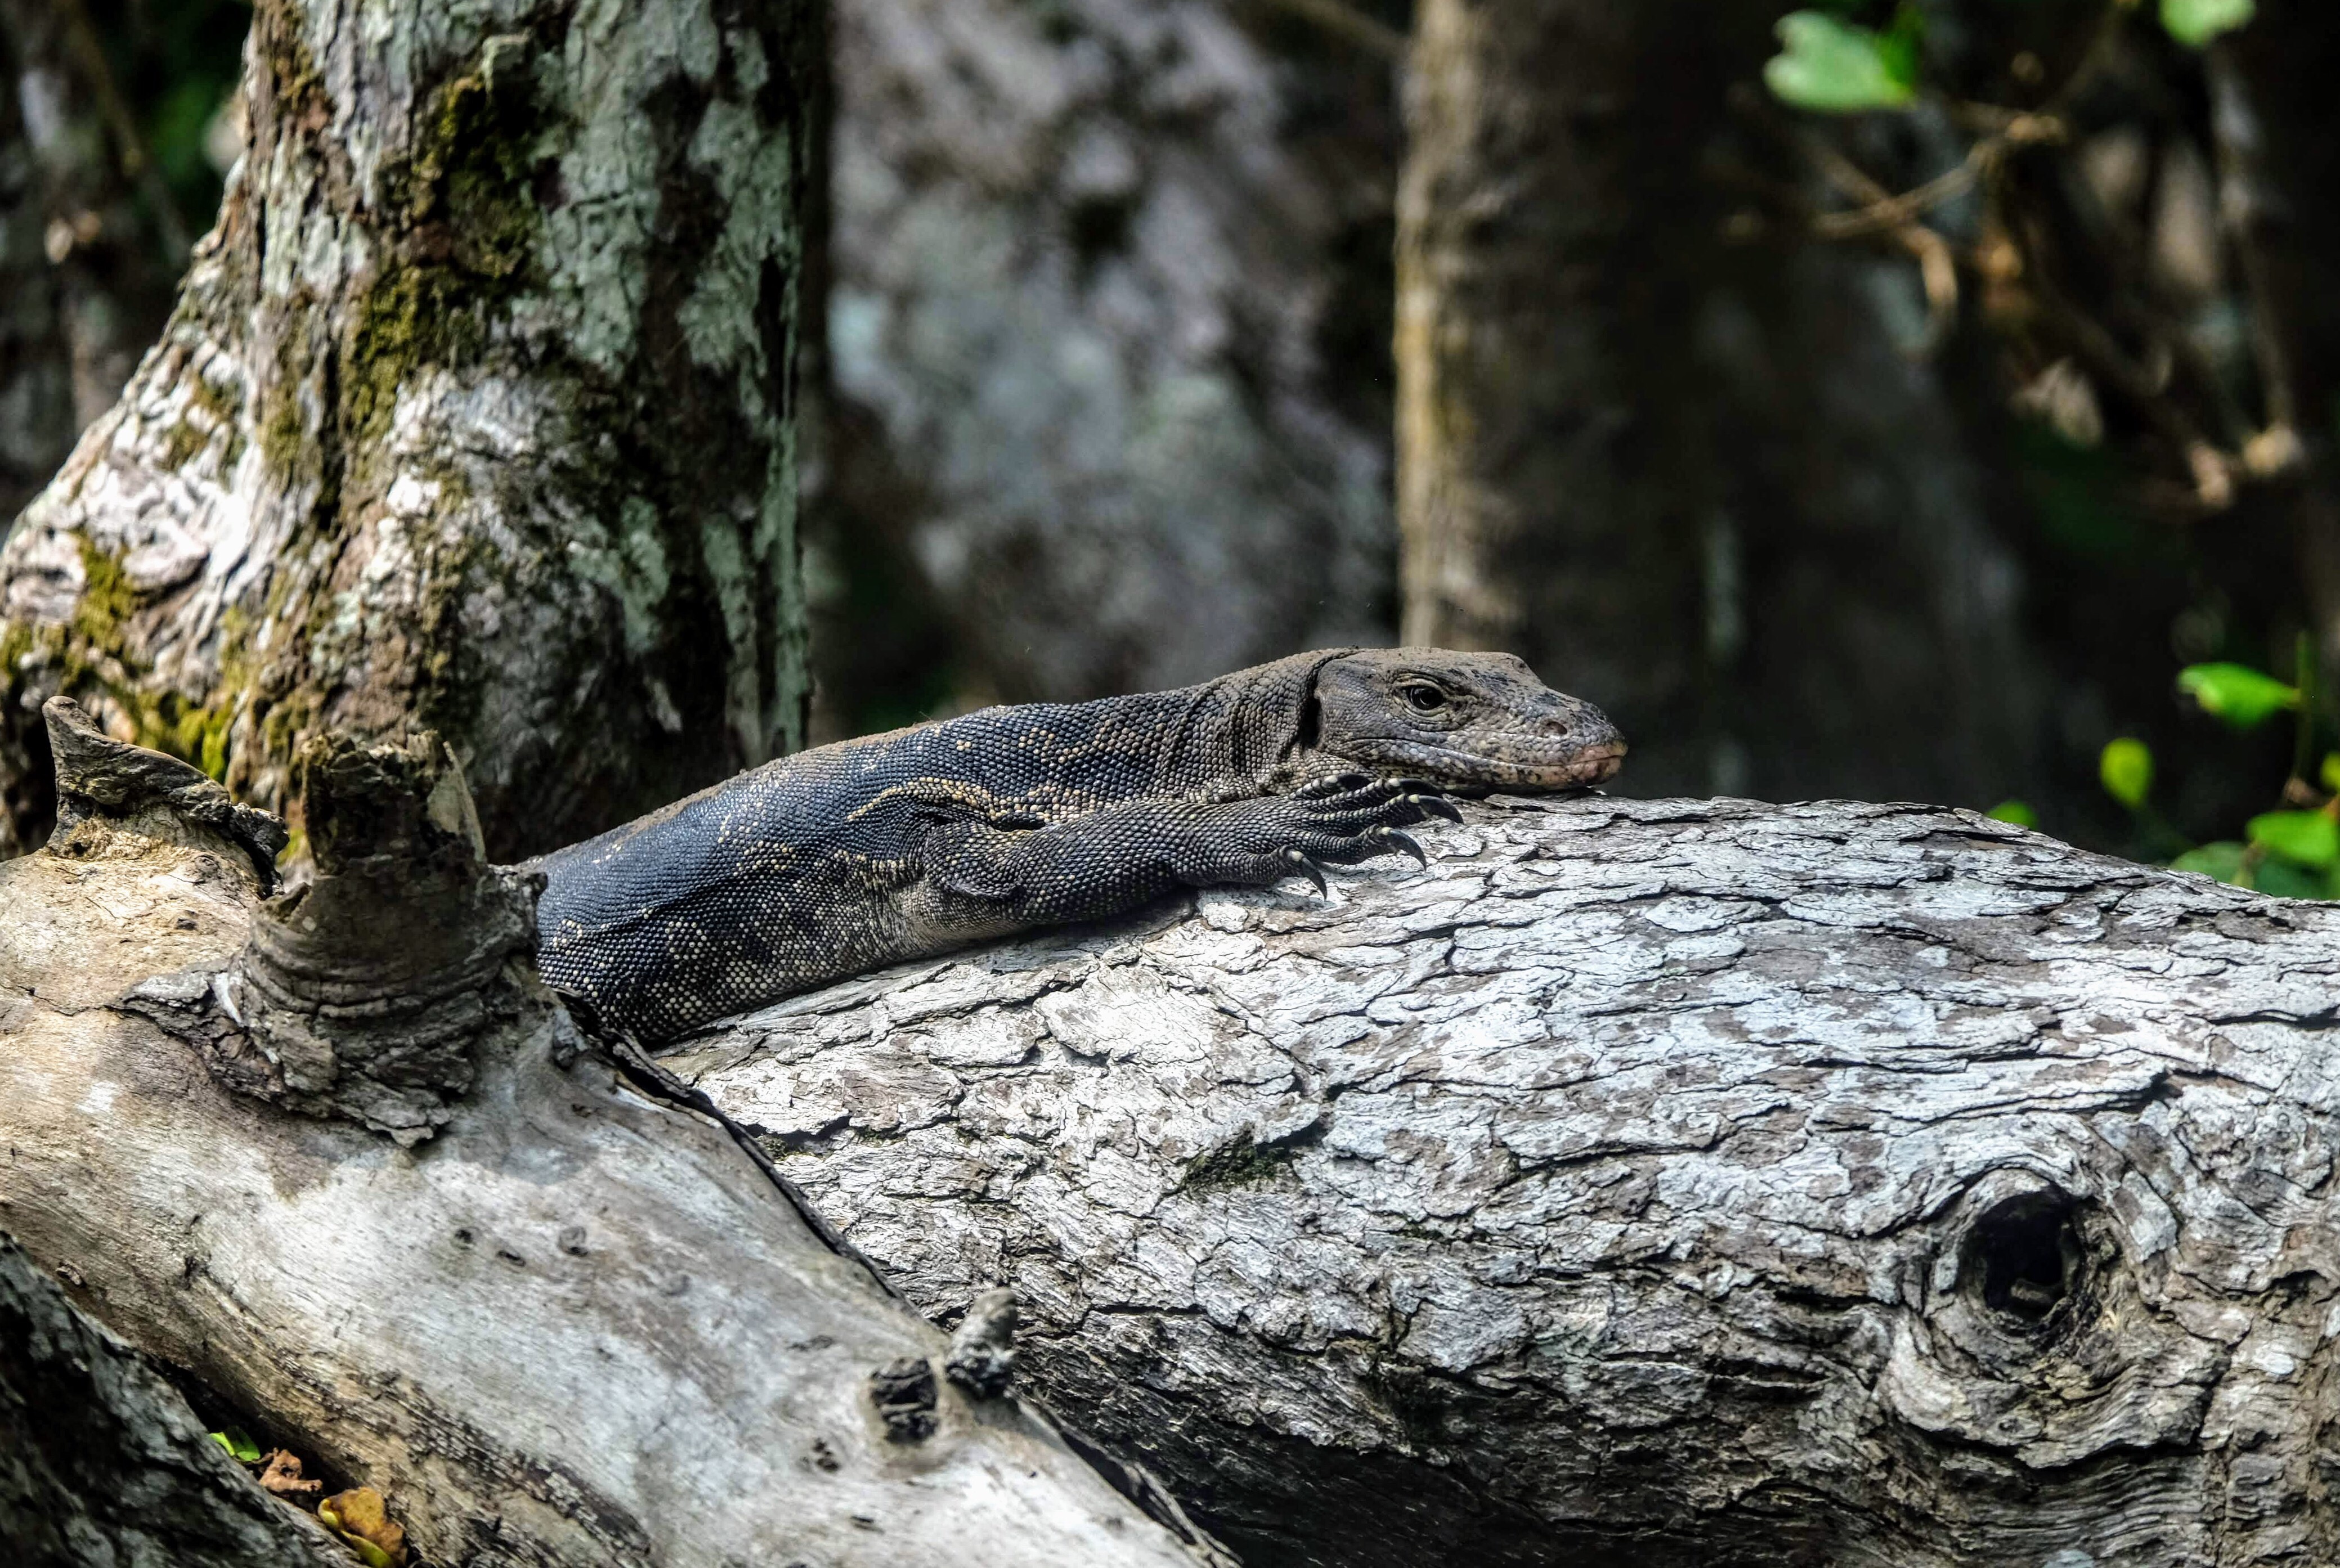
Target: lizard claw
point(1394, 839)
point(1331, 784)
point(1302, 866)
point(1434, 806)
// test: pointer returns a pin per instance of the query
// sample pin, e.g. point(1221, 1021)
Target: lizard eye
point(1421, 696)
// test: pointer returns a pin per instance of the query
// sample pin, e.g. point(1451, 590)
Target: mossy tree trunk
point(475, 413)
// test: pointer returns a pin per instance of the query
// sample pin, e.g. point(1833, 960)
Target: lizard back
point(787, 875)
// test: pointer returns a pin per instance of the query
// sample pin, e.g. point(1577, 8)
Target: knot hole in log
point(2043, 1339)
point(2025, 1257)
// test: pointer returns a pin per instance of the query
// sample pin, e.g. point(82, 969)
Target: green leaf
point(2309, 837)
point(2281, 879)
point(2330, 772)
point(2223, 860)
point(2237, 694)
point(2018, 812)
point(239, 1445)
point(1898, 48)
point(2194, 22)
point(1832, 66)
point(2126, 768)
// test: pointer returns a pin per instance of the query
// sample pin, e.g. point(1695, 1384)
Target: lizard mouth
point(1513, 762)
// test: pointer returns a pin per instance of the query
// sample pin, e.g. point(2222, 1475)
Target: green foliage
point(2237, 693)
point(2194, 22)
point(2309, 837)
point(2294, 852)
point(2223, 860)
point(176, 62)
point(1836, 67)
point(180, 124)
point(2126, 768)
point(2088, 511)
point(2254, 866)
point(2086, 506)
point(239, 1445)
point(2018, 812)
point(2282, 879)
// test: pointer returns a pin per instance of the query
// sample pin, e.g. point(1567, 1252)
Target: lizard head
point(1458, 718)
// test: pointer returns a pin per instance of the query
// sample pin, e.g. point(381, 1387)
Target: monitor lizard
point(851, 856)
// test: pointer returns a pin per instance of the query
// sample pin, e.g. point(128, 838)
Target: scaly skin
point(852, 856)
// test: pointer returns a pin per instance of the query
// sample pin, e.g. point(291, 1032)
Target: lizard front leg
point(981, 881)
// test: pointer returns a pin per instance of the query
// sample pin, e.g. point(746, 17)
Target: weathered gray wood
point(347, 1161)
point(1659, 1182)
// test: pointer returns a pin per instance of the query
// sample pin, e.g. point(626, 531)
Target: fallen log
point(1644, 1182)
point(342, 1158)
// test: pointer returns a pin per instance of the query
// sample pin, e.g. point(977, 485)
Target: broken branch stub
point(366, 990)
point(982, 1357)
point(105, 786)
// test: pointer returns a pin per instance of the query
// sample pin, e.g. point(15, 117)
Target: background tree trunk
point(37, 414)
point(2275, 80)
point(1658, 1183)
point(474, 412)
point(1108, 350)
point(1695, 482)
point(85, 276)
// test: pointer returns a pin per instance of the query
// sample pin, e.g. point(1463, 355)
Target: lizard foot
point(1334, 822)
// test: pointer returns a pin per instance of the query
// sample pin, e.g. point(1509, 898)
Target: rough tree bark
point(474, 412)
point(1645, 1183)
point(1695, 482)
point(343, 1158)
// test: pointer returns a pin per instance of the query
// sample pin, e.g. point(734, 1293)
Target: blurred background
point(1922, 400)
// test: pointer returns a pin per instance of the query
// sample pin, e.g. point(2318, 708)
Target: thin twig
point(1889, 212)
point(2233, 133)
point(2212, 468)
point(130, 148)
point(1884, 213)
point(1349, 24)
point(2102, 45)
